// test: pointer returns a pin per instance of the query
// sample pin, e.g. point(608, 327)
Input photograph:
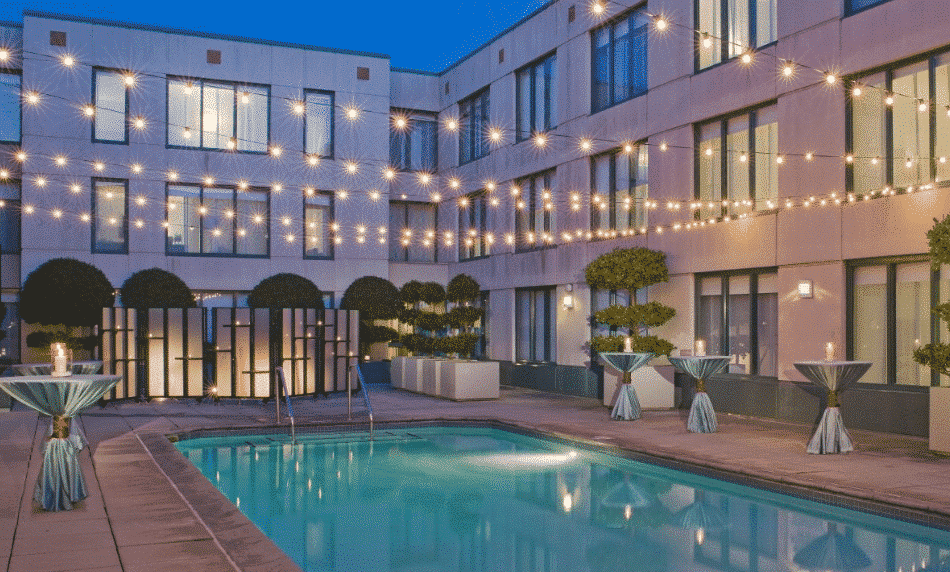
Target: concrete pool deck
point(138, 519)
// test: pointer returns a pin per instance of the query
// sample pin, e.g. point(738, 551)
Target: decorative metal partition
point(164, 352)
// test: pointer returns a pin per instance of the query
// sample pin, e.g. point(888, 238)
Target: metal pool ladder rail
point(349, 397)
point(290, 408)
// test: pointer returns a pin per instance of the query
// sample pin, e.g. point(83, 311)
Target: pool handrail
point(349, 396)
point(290, 407)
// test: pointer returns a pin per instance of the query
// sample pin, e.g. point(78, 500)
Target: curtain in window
point(710, 168)
point(710, 24)
point(397, 226)
point(767, 330)
point(740, 347)
point(251, 236)
point(217, 231)
point(217, 115)
point(421, 217)
point(766, 149)
point(913, 321)
point(423, 143)
point(109, 122)
point(9, 107)
point(766, 27)
point(523, 81)
point(184, 113)
point(183, 222)
point(911, 130)
point(868, 134)
point(535, 326)
point(317, 225)
point(710, 313)
point(869, 321)
point(737, 169)
point(252, 119)
point(398, 143)
point(738, 27)
point(623, 200)
point(641, 190)
point(110, 217)
point(942, 99)
point(600, 209)
point(319, 124)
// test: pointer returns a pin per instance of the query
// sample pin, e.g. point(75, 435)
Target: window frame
point(475, 135)
point(890, 263)
point(550, 329)
point(612, 184)
point(723, 34)
point(332, 95)
point(409, 131)
point(550, 120)
point(96, 71)
point(723, 121)
point(331, 211)
point(19, 73)
point(234, 192)
point(234, 85)
point(528, 195)
point(626, 15)
point(723, 349)
point(93, 215)
point(14, 208)
point(476, 200)
point(435, 241)
point(850, 11)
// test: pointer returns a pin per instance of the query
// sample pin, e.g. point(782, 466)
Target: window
point(619, 65)
point(535, 325)
point(318, 216)
point(217, 221)
point(111, 121)
point(412, 232)
point(535, 215)
point(536, 87)
point(856, 5)
point(890, 311)
point(474, 141)
point(413, 147)
point(10, 344)
point(110, 210)
point(318, 124)
point(737, 316)
point(10, 217)
point(10, 106)
point(474, 238)
point(619, 190)
point(736, 162)
point(218, 115)
point(895, 145)
point(732, 27)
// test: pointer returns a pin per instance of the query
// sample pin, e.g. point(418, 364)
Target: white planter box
point(431, 376)
point(654, 384)
point(940, 419)
point(397, 368)
point(463, 380)
point(412, 374)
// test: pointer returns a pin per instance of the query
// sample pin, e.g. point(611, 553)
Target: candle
point(829, 352)
point(700, 349)
point(628, 345)
point(59, 361)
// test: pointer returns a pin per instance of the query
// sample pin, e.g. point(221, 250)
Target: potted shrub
point(465, 379)
point(936, 355)
point(376, 299)
point(633, 269)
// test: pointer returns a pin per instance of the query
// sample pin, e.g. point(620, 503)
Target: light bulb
point(662, 23)
point(129, 80)
point(68, 61)
point(831, 78)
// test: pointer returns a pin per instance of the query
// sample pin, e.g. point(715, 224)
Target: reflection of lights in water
point(238, 502)
point(514, 461)
point(320, 493)
point(568, 502)
point(700, 535)
point(309, 484)
point(217, 475)
point(627, 512)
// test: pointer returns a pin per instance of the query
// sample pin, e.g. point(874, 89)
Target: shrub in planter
point(936, 355)
point(463, 290)
point(376, 299)
point(156, 288)
point(630, 269)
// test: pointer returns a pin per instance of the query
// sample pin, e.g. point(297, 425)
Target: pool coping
point(223, 518)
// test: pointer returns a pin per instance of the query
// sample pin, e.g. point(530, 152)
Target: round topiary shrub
point(463, 288)
point(65, 291)
point(432, 293)
point(376, 298)
point(411, 292)
point(285, 291)
point(156, 288)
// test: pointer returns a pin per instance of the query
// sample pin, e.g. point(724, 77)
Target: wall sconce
point(805, 289)
point(568, 300)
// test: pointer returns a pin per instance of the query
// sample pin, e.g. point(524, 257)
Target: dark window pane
point(109, 224)
point(9, 107)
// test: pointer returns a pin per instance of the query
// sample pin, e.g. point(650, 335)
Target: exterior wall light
point(568, 300)
point(805, 289)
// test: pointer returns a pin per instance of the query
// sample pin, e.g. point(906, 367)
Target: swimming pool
point(484, 499)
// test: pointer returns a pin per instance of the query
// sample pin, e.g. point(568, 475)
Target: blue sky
point(422, 34)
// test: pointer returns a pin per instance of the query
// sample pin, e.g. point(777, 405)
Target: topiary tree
point(630, 269)
point(463, 290)
point(376, 299)
point(65, 292)
point(285, 290)
point(156, 288)
point(936, 355)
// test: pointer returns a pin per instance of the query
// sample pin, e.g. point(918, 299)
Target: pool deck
point(137, 519)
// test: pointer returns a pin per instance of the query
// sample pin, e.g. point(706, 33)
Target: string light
point(20, 156)
point(4, 54)
point(451, 124)
point(68, 60)
point(88, 110)
point(129, 80)
point(597, 8)
point(856, 91)
point(788, 69)
point(352, 113)
point(389, 173)
point(32, 97)
point(586, 145)
point(831, 78)
point(746, 58)
point(276, 151)
point(298, 107)
point(313, 160)
point(139, 123)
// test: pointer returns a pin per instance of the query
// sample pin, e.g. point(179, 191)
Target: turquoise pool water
point(474, 499)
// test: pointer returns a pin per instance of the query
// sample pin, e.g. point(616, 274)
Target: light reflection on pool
point(444, 499)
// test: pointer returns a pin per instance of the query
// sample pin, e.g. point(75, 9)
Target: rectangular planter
point(397, 368)
point(654, 384)
point(464, 380)
point(431, 376)
point(940, 419)
point(412, 374)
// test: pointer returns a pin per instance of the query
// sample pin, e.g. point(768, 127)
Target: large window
point(10, 217)
point(111, 120)
point(10, 344)
point(619, 66)
point(10, 107)
point(318, 216)
point(737, 316)
point(110, 209)
point(619, 191)
point(218, 221)
point(318, 124)
point(218, 115)
point(535, 325)
point(474, 238)
point(412, 146)
point(890, 309)
point(535, 212)
point(855, 5)
point(412, 232)
point(474, 141)
point(736, 163)
point(536, 86)
point(899, 128)
point(732, 27)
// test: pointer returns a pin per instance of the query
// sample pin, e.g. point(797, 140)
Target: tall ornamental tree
point(463, 291)
point(376, 299)
point(630, 269)
point(936, 355)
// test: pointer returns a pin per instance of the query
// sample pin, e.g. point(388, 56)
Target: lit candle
point(700, 349)
point(829, 352)
point(59, 361)
point(628, 345)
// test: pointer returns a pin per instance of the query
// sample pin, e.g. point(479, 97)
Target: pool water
point(479, 499)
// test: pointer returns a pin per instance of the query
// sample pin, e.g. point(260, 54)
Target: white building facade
point(728, 134)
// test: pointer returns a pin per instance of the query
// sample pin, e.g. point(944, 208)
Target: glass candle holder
point(61, 359)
